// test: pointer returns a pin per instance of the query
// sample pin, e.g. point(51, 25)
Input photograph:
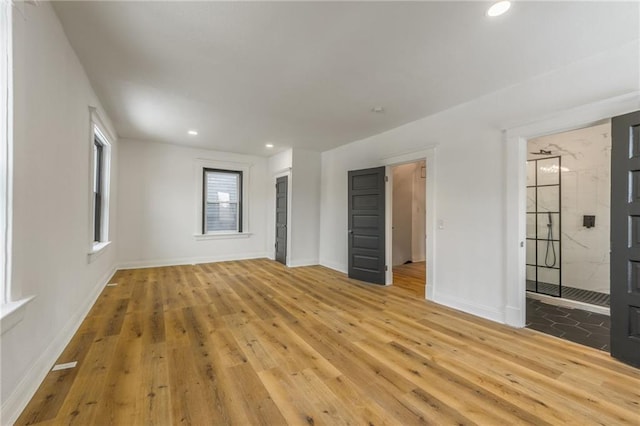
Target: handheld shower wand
point(550, 255)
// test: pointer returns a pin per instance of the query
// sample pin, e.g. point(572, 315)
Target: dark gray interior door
point(281, 219)
point(366, 225)
point(625, 238)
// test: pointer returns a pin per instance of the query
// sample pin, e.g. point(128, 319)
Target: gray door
point(366, 225)
point(281, 219)
point(625, 238)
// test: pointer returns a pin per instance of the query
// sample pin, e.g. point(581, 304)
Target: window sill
point(12, 313)
point(96, 250)
point(222, 236)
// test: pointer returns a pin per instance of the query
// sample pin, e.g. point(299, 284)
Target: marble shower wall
point(586, 190)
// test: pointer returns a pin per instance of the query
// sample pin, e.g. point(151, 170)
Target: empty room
point(319, 212)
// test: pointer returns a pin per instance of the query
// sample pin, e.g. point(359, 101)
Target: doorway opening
point(282, 219)
point(408, 247)
point(568, 186)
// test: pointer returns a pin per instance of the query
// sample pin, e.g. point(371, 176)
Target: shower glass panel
point(548, 198)
point(544, 274)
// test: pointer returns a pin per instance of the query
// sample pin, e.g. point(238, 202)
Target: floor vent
point(64, 366)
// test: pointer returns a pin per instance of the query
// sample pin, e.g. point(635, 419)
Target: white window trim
point(6, 154)
point(11, 311)
point(205, 163)
point(97, 128)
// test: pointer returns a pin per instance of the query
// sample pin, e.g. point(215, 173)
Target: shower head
point(541, 152)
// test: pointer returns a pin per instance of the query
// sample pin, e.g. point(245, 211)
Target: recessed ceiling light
point(498, 8)
point(193, 132)
point(377, 109)
point(268, 145)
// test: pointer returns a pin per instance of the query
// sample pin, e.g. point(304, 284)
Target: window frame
point(100, 169)
point(98, 176)
point(201, 163)
point(238, 173)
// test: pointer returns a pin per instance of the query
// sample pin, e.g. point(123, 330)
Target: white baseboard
point(303, 262)
point(334, 265)
point(154, 263)
point(430, 294)
point(487, 312)
point(27, 387)
point(513, 317)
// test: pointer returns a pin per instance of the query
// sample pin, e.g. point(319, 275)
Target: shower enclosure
point(544, 274)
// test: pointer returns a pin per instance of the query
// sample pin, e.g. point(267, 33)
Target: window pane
point(95, 168)
point(222, 187)
point(222, 216)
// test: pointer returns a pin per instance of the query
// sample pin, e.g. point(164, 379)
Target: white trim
point(6, 150)
point(12, 313)
point(26, 388)
point(568, 303)
point(207, 163)
point(469, 307)
point(153, 263)
point(515, 140)
point(429, 156)
point(222, 236)
point(303, 262)
point(334, 265)
point(96, 250)
point(96, 118)
point(410, 156)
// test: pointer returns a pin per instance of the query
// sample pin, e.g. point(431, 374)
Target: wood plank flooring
point(255, 343)
point(411, 277)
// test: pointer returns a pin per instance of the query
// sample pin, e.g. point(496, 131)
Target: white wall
point(159, 199)
point(586, 190)
point(470, 176)
point(51, 203)
point(305, 208)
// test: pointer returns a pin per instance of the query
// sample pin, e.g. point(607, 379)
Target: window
point(100, 165)
point(98, 161)
point(222, 201)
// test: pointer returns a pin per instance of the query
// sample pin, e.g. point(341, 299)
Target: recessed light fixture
point(193, 132)
point(268, 145)
point(498, 8)
point(377, 109)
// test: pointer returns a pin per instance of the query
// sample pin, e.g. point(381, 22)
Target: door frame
point(429, 156)
point(282, 173)
point(515, 148)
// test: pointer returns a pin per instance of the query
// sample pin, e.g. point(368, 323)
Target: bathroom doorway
point(568, 234)
point(408, 248)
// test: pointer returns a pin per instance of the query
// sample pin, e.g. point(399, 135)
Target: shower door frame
point(537, 213)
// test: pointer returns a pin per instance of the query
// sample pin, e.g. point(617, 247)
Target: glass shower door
point(543, 226)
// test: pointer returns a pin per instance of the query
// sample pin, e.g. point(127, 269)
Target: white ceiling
point(307, 74)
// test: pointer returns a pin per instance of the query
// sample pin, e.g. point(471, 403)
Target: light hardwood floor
point(251, 342)
point(411, 277)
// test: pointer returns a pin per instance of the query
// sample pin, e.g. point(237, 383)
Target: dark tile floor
point(576, 325)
